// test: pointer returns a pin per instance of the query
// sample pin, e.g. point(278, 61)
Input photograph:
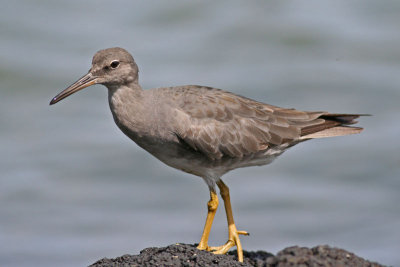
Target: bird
point(204, 131)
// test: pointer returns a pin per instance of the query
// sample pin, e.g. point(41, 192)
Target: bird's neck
point(127, 104)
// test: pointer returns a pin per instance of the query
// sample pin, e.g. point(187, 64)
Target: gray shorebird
point(202, 130)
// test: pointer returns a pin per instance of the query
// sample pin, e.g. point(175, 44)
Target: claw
point(232, 241)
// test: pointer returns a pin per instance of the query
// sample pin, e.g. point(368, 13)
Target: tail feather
point(335, 131)
point(332, 125)
point(344, 119)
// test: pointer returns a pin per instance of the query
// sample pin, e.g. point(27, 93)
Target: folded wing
point(218, 123)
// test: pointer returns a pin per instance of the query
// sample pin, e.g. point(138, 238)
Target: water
point(74, 189)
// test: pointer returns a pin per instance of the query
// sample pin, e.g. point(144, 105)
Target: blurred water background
point(74, 189)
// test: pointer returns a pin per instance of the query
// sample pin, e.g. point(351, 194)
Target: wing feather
point(218, 123)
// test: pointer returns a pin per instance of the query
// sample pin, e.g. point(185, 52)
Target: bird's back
point(219, 123)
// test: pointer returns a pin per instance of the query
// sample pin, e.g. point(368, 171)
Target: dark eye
point(114, 64)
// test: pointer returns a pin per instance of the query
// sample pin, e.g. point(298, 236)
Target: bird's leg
point(233, 238)
point(212, 206)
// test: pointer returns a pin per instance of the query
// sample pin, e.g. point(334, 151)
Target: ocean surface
point(74, 189)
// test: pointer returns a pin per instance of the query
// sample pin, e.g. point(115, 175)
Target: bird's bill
point(85, 81)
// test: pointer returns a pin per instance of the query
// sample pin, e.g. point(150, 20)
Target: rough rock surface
point(188, 255)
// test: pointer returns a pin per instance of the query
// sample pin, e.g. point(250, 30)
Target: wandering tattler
point(202, 130)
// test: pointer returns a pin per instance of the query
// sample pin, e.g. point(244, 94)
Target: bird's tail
point(330, 125)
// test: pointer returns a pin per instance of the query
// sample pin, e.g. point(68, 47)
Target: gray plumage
point(202, 130)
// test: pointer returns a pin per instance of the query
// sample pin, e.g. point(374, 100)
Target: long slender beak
point(85, 81)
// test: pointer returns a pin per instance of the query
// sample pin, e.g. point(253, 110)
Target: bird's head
point(111, 67)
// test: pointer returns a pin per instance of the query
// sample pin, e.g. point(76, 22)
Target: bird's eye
point(114, 64)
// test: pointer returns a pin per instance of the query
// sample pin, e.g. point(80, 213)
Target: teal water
point(74, 189)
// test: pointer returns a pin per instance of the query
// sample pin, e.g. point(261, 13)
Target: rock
point(187, 256)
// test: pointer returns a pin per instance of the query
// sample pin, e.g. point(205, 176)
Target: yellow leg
point(212, 206)
point(233, 238)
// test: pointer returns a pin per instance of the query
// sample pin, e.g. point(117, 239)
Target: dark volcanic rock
point(187, 255)
point(317, 256)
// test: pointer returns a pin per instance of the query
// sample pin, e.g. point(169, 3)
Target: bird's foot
point(233, 240)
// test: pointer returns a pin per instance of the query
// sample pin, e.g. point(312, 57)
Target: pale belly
point(184, 158)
